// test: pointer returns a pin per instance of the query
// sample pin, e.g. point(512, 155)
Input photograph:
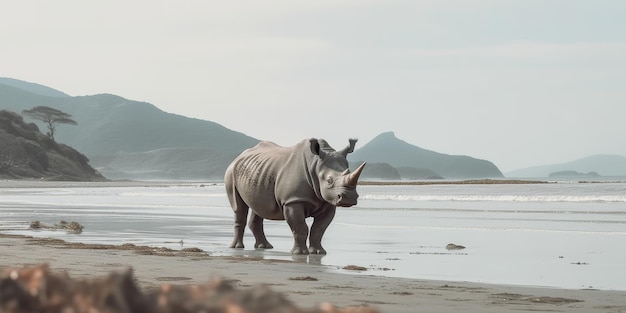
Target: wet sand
point(307, 285)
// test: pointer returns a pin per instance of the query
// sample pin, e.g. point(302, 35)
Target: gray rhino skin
point(309, 179)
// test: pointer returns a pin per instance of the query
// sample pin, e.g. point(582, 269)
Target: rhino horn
point(354, 176)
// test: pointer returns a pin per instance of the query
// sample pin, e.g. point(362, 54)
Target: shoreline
point(307, 285)
point(454, 182)
point(27, 183)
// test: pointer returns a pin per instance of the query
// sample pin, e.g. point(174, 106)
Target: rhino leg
point(320, 224)
point(241, 214)
point(256, 226)
point(294, 215)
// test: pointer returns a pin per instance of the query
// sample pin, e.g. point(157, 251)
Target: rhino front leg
point(256, 226)
point(294, 215)
point(320, 224)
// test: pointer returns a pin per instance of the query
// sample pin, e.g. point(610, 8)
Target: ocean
point(561, 234)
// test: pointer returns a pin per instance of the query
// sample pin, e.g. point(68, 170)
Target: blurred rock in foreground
point(37, 289)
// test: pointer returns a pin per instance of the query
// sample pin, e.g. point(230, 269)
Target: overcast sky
point(516, 82)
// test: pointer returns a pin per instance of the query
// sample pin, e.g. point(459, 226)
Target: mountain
point(377, 171)
point(32, 87)
point(602, 164)
point(127, 139)
point(410, 159)
point(27, 153)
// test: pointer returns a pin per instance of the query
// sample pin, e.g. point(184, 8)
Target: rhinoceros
point(293, 183)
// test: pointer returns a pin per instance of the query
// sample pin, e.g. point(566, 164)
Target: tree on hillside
point(51, 117)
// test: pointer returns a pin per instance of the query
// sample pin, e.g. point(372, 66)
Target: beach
point(540, 247)
point(307, 285)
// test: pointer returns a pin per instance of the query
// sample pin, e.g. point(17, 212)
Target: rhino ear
point(324, 144)
point(349, 148)
point(316, 148)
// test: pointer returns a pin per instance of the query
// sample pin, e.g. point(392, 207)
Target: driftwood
point(452, 246)
point(37, 289)
point(70, 227)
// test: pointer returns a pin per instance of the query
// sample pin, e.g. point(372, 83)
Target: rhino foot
point(313, 250)
point(237, 245)
point(297, 250)
point(263, 245)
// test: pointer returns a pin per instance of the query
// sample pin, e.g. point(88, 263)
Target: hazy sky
point(516, 82)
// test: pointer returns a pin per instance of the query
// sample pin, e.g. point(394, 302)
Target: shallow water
point(554, 235)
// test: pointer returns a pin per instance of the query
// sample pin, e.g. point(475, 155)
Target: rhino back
point(256, 170)
point(267, 176)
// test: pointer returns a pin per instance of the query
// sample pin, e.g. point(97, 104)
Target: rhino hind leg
point(256, 226)
point(241, 215)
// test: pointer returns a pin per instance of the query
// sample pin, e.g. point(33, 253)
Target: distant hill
point(602, 164)
point(26, 153)
point(127, 139)
point(412, 161)
point(568, 174)
point(171, 163)
point(377, 171)
point(32, 87)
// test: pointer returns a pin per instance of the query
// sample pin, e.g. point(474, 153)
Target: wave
point(499, 198)
point(172, 194)
point(487, 229)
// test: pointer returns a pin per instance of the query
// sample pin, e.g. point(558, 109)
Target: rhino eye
point(330, 180)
